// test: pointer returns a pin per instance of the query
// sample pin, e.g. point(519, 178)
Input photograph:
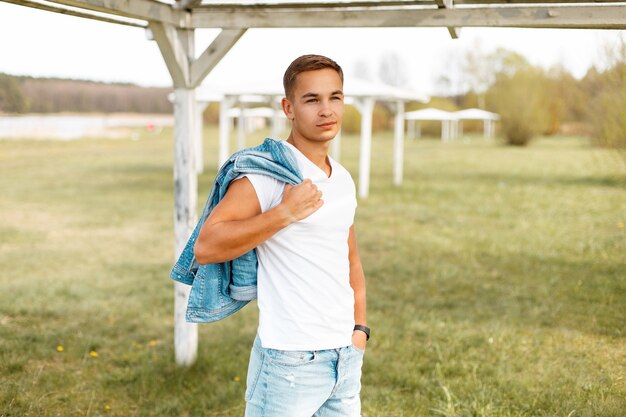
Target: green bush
point(382, 119)
point(608, 107)
point(521, 101)
point(351, 120)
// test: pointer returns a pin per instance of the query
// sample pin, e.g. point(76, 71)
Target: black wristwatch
point(364, 329)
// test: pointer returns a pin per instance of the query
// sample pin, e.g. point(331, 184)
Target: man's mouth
point(328, 124)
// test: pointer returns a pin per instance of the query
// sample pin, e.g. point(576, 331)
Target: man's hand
point(302, 200)
point(359, 339)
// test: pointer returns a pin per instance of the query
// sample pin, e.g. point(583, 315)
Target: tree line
point(533, 101)
point(22, 94)
point(530, 100)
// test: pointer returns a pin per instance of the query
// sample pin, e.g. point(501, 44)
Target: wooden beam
point(186, 4)
point(578, 16)
point(174, 51)
point(136, 9)
point(386, 3)
point(316, 4)
point(63, 10)
point(454, 32)
point(220, 46)
point(448, 4)
point(531, 2)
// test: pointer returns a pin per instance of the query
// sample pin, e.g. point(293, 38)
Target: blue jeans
point(321, 383)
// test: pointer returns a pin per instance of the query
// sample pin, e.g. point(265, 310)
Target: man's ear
point(287, 108)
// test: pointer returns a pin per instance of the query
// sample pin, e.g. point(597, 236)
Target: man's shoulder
point(340, 170)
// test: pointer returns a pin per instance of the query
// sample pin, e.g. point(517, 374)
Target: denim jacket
point(219, 290)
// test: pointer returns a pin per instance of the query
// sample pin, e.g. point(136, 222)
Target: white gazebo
point(489, 120)
point(173, 23)
point(451, 122)
point(360, 93)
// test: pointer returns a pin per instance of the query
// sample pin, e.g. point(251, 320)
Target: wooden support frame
point(192, 14)
point(51, 7)
point(177, 46)
point(448, 4)
point(177, 57)
point(596, 16)
point(212, 55)
point(185, 70)
point(148, 10)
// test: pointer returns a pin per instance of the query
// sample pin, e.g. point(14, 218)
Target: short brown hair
point(307, 63)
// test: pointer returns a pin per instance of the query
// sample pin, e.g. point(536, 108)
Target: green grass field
point(496, 283)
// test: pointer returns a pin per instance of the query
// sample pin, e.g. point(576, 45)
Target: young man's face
point(315, 107)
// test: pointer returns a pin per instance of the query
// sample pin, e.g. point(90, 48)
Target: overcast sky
point(38, 43)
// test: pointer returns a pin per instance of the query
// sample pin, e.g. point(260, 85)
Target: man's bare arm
point(357, 282)
point(236, 225)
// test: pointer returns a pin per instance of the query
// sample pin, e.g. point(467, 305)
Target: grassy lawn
point(496, 283)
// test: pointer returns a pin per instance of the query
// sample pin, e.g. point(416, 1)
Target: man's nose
point(325, 109)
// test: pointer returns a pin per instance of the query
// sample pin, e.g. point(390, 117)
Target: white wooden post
point(366, 108)
point(335, 147)
point(241, 124)
point(398, 144)
point(199, 151)
point(185, 217)
point(225, 122)
point(275, 118)
point(178, 49)
point(489, 128)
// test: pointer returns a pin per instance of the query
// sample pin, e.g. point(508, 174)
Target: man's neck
point(316, 152)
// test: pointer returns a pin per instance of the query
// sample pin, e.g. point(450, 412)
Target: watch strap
point(364, 329)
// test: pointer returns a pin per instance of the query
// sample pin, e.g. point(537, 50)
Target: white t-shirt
point(304, 295)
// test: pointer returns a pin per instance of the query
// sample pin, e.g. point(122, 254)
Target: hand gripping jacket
point(219, 290)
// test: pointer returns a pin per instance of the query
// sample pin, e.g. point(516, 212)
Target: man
point(306, 360)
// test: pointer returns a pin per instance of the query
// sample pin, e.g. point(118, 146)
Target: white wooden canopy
point(244, 14)
point(451, 122)
point(172, 25)
point(476, 114)
point(489, 120)
point(429, 114)
point(362, 94)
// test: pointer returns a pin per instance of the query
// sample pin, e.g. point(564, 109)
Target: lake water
point(69, 127)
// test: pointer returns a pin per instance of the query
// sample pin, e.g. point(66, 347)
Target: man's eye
point(335, 98)
point(311, 100)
